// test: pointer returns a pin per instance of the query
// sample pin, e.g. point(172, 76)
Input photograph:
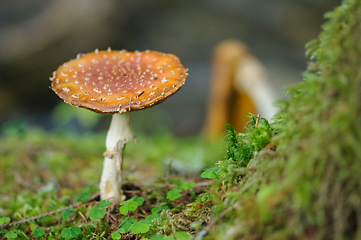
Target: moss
point(308, 188)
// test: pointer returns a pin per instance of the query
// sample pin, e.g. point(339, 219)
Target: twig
point(112, 217)
point(82, 216)
point(222, 214)
point(74, 205)
point(257, 120)
point(19, 216)
point(111, 220)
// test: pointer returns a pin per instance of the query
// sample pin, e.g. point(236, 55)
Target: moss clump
point(310, 187)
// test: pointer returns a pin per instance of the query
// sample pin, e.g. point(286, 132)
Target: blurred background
point(37, 36)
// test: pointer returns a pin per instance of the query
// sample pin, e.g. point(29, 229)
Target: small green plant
point(11, 235)
point(4, 220)
point(160, 208)
point(210, 173)
point(38, 232)
point(131, 205)
point(175, 193)
point(241, 147)
point(131, 225)
point(66, 213)
point(97, 212)
point(84, 195)
point(70, 232)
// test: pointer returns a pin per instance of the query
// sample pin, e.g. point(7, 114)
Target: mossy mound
point(310, 187)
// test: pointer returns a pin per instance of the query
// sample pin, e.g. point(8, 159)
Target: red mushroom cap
point(118, 81)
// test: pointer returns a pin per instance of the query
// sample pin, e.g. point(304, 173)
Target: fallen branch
point(74, 205)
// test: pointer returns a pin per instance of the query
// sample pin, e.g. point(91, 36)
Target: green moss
point(309, 187)
point(43, 172)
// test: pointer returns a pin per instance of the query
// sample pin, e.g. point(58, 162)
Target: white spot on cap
point(109, 49)
point(95, 61)
point(65, 89)
point(121, 98)
point(164, 80)
point(64, 74)
point(97, 90)
point(96, 51)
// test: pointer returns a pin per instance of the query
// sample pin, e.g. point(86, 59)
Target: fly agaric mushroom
point(118, 82)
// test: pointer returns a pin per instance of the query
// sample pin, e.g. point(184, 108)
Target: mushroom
point(239, 85)
point(118, 82)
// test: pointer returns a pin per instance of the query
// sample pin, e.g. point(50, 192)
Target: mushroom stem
point(120, 132)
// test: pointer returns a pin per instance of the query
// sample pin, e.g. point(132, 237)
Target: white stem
point(120, 132)
point(251, 77)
